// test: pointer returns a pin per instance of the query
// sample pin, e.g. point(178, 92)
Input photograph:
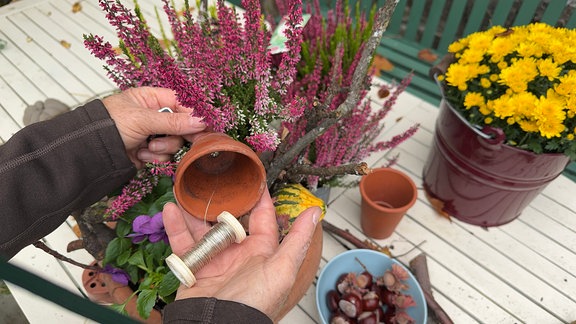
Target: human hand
point(258, 272)
point(135, 112)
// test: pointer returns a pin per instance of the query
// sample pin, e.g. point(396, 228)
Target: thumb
point(172, 123)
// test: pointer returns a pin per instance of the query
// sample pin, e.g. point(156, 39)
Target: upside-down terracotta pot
point(387, 194)
point(219, 174)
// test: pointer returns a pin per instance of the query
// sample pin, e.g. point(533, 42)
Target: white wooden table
point(522, 272)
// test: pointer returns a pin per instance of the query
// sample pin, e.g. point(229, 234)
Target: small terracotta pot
point(387, 194)
point(101, 289)
point(95, 286)
point(219, 174)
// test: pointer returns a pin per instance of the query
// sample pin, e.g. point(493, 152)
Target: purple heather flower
point(148, 227)
point(118, 275)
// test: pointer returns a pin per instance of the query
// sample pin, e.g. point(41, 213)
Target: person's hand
point(258, 272)
point(135, 112)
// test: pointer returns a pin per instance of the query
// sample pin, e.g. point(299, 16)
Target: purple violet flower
point(148, 227)
point(118, 275)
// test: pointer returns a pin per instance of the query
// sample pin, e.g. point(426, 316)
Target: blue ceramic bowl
point(376, 263)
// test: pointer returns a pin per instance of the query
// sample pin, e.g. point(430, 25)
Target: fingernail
point(316, 215)
point(157, 146)
point(144, 155)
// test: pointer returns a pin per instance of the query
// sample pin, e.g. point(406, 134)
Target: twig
point(419, 268)
point(352, 168)
point(346, 235)
point(45, 248)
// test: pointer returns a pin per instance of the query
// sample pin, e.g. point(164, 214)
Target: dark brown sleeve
point(51, 168)
point(211, 310)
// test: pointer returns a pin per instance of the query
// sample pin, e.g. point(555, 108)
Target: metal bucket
point(477, 178)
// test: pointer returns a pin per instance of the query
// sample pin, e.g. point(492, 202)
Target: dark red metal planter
point(478, 179)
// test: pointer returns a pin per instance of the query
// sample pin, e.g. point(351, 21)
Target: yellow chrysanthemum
point(504, 107)
point(517, 75)
point(567, 85)
point(550, 115)
point(474, 99)
point(485, 83)
point(528, 126)
point(548, 68)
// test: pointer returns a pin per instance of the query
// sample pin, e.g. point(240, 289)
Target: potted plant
point(506, 126)
point(263, 101)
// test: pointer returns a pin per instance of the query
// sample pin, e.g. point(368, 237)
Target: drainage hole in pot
point(383, 204)
point(91, 273)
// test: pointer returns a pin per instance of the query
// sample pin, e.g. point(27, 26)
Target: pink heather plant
point(325, 71)
point(220, 67)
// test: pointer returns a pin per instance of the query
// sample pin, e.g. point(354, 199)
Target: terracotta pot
point(306, 274)
point(472, 175)
point(101, 289)
point(219, 174)
point(387, 194)
point(96, 288)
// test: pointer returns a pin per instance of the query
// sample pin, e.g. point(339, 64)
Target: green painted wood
point(455, 17)
point(414, 20)
point(571, 23)
point(395, 25)
point(552, 14)
point(526, 12)
point(432, 23)
point(501, 12)
point(476, 17)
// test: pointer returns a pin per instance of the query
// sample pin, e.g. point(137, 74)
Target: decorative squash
point(290, 201)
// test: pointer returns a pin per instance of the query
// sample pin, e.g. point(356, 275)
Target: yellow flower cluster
point(521, 79)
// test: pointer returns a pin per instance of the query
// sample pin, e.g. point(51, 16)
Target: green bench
point(434, 24)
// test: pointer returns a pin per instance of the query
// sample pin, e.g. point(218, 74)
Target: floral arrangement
point(325, 67)
point(521, 80)
point(287, 106)
point(218, 66)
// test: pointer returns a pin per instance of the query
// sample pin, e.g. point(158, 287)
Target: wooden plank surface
point(522, 272)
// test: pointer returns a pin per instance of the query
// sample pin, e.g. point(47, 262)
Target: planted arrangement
point(520, 80)
point(221, 66)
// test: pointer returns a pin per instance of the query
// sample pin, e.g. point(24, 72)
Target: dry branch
point(419, 268)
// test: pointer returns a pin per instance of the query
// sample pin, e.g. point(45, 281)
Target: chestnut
point(368, 318)
point(364, 280)
point(339, 318)
point(332, 298)
point(370, 301)
point(343, 283)
point(351, 305)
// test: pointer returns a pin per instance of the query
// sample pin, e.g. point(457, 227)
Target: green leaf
point(159, 203)
point(168, 285)
point(120, 308)
point(157, 251)
point(137, 259)
point(116, 247)
point(123, 257)
point(123, 228)
point(146, 301)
